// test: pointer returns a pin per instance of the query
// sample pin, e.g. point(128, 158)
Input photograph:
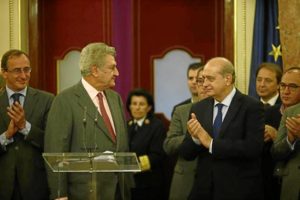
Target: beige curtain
point(289, 22)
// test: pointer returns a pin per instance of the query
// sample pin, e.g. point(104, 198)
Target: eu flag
point(266, 41)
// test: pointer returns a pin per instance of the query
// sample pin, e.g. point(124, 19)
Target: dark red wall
point(162, 25)
point(139, 29)
point(70, 24)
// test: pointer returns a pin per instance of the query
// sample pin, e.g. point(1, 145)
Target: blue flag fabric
point(265, 34)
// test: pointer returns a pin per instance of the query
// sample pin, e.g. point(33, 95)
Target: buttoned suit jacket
point(75, 125)
point(184, 171)
point(281, 151)
point(22, 160)
point(234, 165)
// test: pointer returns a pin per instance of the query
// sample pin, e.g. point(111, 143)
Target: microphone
point(84, 122)
point(95, 123)
point(84, 116)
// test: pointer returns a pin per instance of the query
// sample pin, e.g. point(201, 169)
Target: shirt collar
point(227, 99)
point(140, 121)
point(11, 92)
point(271, 101)
point(92, 92)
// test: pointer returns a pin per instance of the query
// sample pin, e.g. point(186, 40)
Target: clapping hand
point(17, 114)
point(270, 133)
point(197, 131)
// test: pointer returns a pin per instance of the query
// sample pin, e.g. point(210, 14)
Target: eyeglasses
point(291, 87)
point(200, 81)
point(18, 71)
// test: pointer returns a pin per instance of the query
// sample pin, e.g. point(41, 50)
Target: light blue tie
point(218, 120)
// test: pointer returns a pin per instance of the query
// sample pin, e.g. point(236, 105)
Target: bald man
point(226, 135)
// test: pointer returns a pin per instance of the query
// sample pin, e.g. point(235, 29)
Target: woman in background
point(146, 136)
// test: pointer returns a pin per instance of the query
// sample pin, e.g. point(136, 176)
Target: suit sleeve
point(57, 139)
point(37, 131)
point(189, 150)
point(175, 135)
point(280, 149)
point(156, 153)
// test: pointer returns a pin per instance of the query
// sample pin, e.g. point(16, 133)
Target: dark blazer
point(233, 169)
point(273, 115)
point(148, 140)
point(271, 183)
point(278, 101)
point(22, 160)
point(66, 132)
point(187, 101)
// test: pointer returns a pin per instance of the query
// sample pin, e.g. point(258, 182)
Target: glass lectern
point(92, 163)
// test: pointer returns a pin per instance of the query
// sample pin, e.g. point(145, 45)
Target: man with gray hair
point(89, 117)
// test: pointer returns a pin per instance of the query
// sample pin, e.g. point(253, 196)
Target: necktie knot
point(16, 97)
point(100, 95)
point(136, 126)
point(218, 120)
point(266, 105)
point(220, 106)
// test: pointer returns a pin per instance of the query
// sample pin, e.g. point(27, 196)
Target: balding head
point(225, 66)
point(218, 77)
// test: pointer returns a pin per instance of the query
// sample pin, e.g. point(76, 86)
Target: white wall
point(170, 80)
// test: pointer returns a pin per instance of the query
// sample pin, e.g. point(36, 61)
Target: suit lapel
point(232, 112)
point(208, 117)
point(91, 110)
point(3, 106)
point(113, 109)
point(30, 102)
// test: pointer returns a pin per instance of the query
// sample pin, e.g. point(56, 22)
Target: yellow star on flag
point(276, 52)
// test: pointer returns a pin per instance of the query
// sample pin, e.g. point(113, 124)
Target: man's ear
point(3, 73)
point(228, 78)
point(94, 70)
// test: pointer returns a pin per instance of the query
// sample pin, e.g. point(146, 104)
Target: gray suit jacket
point(66, 132)
point(22, 160)
point(184, 171)
point(291, 158)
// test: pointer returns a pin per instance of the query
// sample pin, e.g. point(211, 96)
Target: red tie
point(105, 117)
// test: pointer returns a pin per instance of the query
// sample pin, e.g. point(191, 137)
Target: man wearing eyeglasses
point(23, 118)
point(226, 136)
point(184, 171)
point(285, 147)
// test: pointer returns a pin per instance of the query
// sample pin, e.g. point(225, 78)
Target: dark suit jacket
point(187, 101)
point(271, 183)
point(278, 101)
point(148, 140)
point(233, 170)
point(22, 160)
point(273, 115)
point(66, 132)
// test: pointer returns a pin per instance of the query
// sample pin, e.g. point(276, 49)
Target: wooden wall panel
point(140, 29)
point(70, 24)
point(161, 25)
